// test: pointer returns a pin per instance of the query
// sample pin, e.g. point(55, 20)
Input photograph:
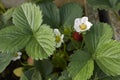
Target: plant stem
point(64, 47)
point(65, 53)
point(96, 78)
point(85, 7)
point(82, 44)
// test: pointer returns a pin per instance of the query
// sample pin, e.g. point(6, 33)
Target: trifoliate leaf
point(42, 44)
point(51, 14)
point(99, 31)
point(13, 39)
point(28, 16)
point(81, 65)
point(107, 56)
point(69, 12)
point(5, 59)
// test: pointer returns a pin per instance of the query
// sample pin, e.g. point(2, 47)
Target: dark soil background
point(7, 74)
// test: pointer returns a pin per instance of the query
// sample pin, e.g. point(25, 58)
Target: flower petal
point(19, 53)
point(84, 19)
point(17, 57)
point(58, 44)
point(62, 36)
point(57, 32)
point(77, 28)
point(77, 21)
point(89, 24)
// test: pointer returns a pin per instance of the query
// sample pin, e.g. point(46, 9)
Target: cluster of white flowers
point(82, 24)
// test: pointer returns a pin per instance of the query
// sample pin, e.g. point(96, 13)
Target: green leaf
point(5, 59)
point(98, 32)
point(69, 12)
point(36, 75)
point(8, 14)
point(51, 14)
point(117, 7)
point(107, 56)
point(113, 2)
point(40, 1)
point(44, 66)
point(100, 75)
point(42, 44)
point(81, 65)
point(28, 16)
point(101, 4)
point(31, 74)
point(64, 76)
point(73, 45)
point(112, 78)
point(13, 39)
point(27, 74)
point(23, 77)
point(2, 8)
point(105, 4)
point(59, 61)
point(53, 76)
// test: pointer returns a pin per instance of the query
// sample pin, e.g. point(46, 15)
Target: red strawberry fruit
point(77, 36)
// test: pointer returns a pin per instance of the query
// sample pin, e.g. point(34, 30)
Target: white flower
point(17, 56)
point(82, 24)
point(58, 38)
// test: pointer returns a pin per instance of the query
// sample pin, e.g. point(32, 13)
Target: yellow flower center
point(83, 26)
point(16, 55)
point(57, 39)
